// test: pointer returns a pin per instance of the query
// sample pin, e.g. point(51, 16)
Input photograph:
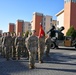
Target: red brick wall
point(11, 27)
point(73, 15)
point(38, 19)
point(20, 26)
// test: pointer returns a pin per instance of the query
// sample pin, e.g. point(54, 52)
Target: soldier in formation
point(3, 53)
point(25, 51)
point(41, 44)
point(48, 44)
point(41, 48)
point(13, 35)
point(8, 45)
point(32, 46)
point(19, 45)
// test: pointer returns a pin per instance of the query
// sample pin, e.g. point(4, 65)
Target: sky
point(12, 10)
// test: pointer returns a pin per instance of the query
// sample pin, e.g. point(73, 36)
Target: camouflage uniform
point(25, 51)
point(41, 49)
point(19, 46)
point(8, 45)
point(32, 46)
point(48, 45)
point(13, 47)
point(3, 52)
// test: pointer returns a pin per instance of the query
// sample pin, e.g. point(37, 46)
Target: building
point(0, 32)
point(11, 27)
point(23, 26)
point(26, 26)
point(67, 17)
point(36, 20)
point(60, 18)
point(46, 21)
point(19, 26)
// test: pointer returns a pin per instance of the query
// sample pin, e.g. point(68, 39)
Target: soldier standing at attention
point(32, 46)
point(8, 45)
point(19, 45)
point(48, 44)
point(41, 44)
point(3, 53)
point(13, 46)
point(25, 51)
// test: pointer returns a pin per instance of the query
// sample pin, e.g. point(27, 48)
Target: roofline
point(59, 12)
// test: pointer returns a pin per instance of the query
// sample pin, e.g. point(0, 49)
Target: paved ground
point(60, 62)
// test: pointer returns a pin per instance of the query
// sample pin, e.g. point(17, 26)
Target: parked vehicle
point(61, 40)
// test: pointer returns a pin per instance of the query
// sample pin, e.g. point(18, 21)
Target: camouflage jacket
point(19, 41)
point(41, 41)
point(48, 41)
point(32, 43)
point(7, 41)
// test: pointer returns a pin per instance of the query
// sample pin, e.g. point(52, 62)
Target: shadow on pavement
point(59, 58)
point(57, 69)
point(67, 48)
point(12, 66)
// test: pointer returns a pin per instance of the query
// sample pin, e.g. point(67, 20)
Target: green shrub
point(71, 32)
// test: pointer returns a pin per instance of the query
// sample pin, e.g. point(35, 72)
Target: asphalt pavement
point(61, 61)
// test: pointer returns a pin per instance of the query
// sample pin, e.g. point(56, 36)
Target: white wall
point(26, 26)
point(60, 19)
point(48, 22)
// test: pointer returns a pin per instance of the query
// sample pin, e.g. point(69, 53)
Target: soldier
point(41, 49)
point(13, 46)
point(48, 44)
point(3, 52)
point(52, 32)
point(19, 45)
point(41, 44)
point(32, 46)
point(25, 51)
point(8, 45)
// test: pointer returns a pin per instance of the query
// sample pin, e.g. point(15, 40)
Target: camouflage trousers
point(41, 53)
point(32, 57)
point(7, 52)
point(25, 52)
point(3, 51)
point(13, 52)
point(18, 52)
point(48, 50)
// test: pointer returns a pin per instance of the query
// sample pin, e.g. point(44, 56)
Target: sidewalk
point(57, 64)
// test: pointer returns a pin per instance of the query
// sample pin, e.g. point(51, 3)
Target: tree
point(71, 32)
point(27, 33)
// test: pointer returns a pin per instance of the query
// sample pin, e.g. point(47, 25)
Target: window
point(44, 28)
point(29, 25)
point(66, 1)
point(51, 19)
point(44, 23)
point(74, 1)
point(44, 19)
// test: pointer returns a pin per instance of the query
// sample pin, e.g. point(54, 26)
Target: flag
point(41, 31)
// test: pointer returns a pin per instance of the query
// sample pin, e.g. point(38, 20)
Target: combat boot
point(40, 61)
point(31, 66)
